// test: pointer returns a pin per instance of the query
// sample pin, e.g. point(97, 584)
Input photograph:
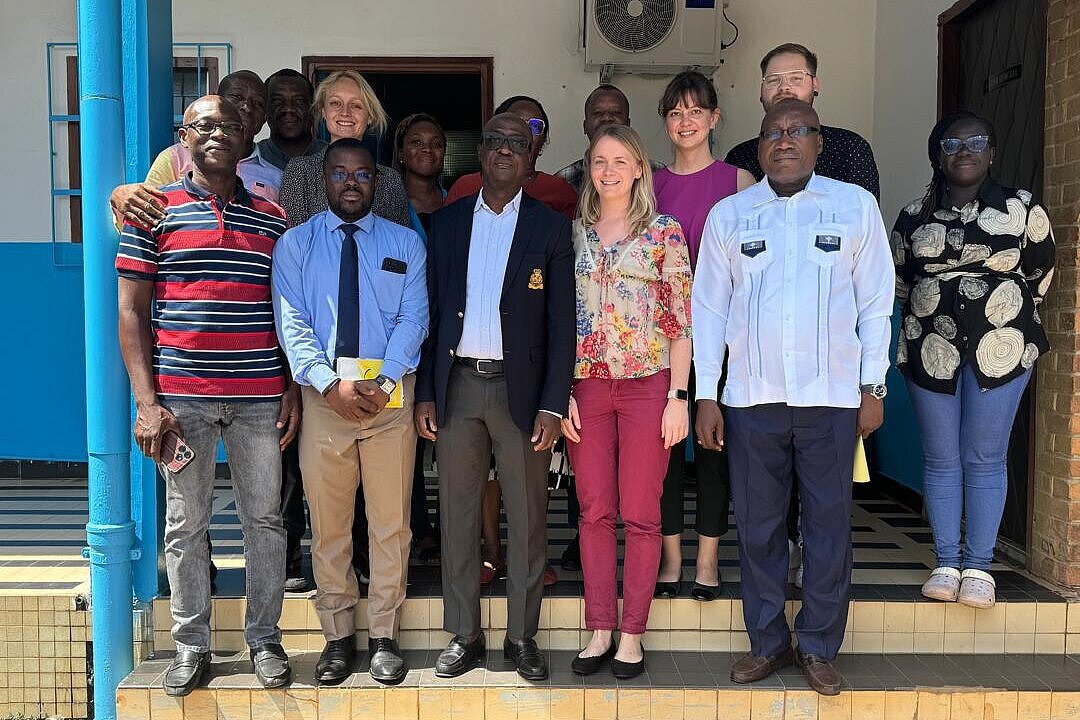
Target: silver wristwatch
point(878, 391)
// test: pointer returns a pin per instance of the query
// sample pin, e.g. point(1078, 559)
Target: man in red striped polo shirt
point(197, 335)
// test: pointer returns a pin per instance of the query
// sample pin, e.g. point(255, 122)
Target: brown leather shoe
point(820, 674)
point(751, 668)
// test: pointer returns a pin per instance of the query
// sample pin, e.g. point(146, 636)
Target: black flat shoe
point(271, 665)
point(460, 656)
point(589, 665)
point(526, 656)
point(667, 590)
point(624, 670)
point(336, 662)
point(571, 557)
point(705, 593)
point(185, 672)
point(387, 664)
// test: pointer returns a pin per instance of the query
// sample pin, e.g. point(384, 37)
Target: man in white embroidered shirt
point(794, 281)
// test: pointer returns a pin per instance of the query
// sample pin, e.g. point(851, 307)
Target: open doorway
point(993, 63)
point(456, 91)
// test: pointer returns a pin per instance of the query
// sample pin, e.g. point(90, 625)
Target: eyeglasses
point(207, 128)
point(362, 177)
point(795, 78)
point(975, 144)
point(799, 131)
point(494, 142)
point(537, 126)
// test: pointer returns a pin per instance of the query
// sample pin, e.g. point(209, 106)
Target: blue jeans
point(965, 439)
point(250, 434)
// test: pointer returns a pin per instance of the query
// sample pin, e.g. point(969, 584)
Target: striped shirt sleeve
point(137, 255)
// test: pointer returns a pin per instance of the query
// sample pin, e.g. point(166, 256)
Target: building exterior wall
point(535, 47)
point(1055, 550)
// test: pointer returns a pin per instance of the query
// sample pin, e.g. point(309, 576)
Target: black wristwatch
point(877, 391)
point(386, 384)
point(678, 395)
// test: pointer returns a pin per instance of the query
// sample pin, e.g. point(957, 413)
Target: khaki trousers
point(335, 456)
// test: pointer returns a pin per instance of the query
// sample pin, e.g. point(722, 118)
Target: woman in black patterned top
point(345, 100)
point(974, 260)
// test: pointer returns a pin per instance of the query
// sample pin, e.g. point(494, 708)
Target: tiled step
point(676, 686)
point(874, 626)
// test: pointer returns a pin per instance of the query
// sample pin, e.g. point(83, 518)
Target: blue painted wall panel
point(899, 453)
point(42, 362)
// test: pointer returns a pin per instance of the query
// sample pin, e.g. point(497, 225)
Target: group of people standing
point(371, 311)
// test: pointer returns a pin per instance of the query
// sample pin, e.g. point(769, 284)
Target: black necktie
point(348, 318)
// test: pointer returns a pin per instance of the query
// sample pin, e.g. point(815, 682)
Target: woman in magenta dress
point(687, 189)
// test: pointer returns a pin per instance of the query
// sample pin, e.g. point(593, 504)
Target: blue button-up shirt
point(489, 251)
point(393, 305)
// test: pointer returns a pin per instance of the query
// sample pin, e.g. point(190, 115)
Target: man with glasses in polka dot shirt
point(790, 71)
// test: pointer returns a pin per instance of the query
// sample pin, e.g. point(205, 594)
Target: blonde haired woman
point(629, 404)
point(348, 105)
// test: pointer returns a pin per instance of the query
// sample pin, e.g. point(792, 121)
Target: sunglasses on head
point(975, 144)
point(537, 126)
point(494, 142)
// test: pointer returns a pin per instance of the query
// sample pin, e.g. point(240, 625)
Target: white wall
point(905, 97)
point(877, 68)
point(24, 143)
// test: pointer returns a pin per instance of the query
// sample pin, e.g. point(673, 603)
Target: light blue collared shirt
point(489, 251)
point(393, 305)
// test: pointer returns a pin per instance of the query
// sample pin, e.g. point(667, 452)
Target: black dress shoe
point(530, 662)
point(185, 672)
point(336, 662)
point(667, 590)
point(589, 665)
point(571, 557)
point(387, 664)
point(271, 665)
point(296, 583)
point(626, 670)
point(460, 656)
point(705, 593)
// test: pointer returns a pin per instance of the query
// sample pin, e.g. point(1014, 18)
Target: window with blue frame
point(196, 71)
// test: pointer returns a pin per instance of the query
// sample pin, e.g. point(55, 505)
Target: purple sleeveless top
point(689, 198)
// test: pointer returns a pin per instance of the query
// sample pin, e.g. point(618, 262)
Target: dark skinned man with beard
point(351, 303)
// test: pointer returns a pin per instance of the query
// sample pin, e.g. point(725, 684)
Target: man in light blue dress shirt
point(351, 286)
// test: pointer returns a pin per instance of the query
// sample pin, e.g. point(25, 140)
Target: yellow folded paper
point(862, 470)
point(368, 369)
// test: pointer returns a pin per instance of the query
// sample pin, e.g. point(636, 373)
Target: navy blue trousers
point(765, 444)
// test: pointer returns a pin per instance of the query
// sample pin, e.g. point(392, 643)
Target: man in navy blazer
point(495, 376)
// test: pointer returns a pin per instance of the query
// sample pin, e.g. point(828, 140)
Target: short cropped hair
point(290, 74)
point(790, 49)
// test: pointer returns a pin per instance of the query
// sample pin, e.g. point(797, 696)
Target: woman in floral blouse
point(973, 262)
point(628, 404)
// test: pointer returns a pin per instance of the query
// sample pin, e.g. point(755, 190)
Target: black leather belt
point(484, 367)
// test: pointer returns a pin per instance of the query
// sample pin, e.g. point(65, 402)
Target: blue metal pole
point(147, 51)
point(110, 531)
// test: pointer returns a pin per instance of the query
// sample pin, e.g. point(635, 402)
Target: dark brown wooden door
point(993, 63)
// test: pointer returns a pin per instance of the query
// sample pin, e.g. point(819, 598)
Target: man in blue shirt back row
point(351, 287)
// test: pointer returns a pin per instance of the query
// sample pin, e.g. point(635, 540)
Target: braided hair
point(936, 187)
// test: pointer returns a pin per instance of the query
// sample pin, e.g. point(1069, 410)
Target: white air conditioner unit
point(653, 36)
